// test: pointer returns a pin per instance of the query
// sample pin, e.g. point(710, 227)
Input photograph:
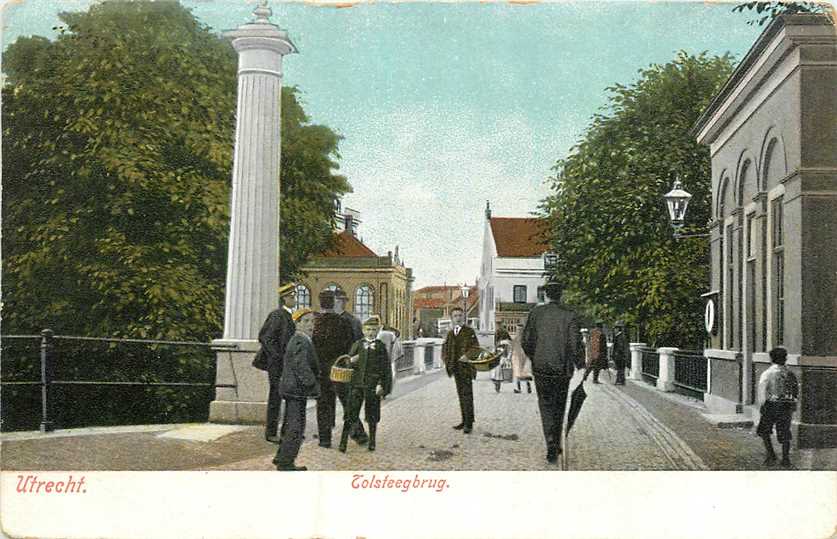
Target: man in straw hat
point(371, 379)
point(274, 336)
point(460, 340)
point(332, 338)
point(550, 340)
point(299, 382)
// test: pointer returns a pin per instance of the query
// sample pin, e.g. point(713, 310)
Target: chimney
point(487, 210)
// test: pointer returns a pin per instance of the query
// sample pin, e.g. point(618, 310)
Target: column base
point(237, 412)
point(665, 386)
point(246, 402)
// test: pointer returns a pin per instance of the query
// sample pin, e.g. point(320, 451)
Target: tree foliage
point(118, 143)
point(768, 10)
point(606, 215)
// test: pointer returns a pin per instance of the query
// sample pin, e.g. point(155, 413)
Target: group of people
point(549, 341)
point(299, 349)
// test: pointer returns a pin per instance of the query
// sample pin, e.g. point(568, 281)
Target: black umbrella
point(576, 400)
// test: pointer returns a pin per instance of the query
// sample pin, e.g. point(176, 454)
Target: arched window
point(303, 297)
point(364, 302)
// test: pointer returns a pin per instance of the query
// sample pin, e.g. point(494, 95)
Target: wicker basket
point(482, 359)
point(341, 374)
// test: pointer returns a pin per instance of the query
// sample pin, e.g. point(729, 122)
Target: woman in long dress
point(521, 364)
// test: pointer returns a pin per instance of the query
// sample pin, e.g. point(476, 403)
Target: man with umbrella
point(550, 339)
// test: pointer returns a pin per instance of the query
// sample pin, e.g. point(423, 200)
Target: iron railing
point(405, 362)
point(650, 362)
point(690, 368)
point(48, 359)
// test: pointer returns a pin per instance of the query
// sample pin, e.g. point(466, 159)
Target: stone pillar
point(665, 381)
point(418, 357)
point(253, 258)
point(636, 360)
point(437, 353)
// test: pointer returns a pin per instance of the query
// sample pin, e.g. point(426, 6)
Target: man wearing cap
point(340, 301)
point(332, 338)
point(620, 352)
point(276, 331)
point(371, 380)
point(460, 340)
point(299, 382)
point(550, 339)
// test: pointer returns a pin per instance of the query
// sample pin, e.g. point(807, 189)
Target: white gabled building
point(514, 259)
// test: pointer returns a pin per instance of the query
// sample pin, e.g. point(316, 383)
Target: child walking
point(778, 391)
point(371, 379)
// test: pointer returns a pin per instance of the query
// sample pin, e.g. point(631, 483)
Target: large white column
point(253, 258)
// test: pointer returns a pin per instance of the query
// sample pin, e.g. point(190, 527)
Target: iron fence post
point(46, 376)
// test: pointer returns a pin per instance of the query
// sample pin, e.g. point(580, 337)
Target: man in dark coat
point(340, 302)
point(598, 352)
point(371, 380)
point(460, 340)
point(550, 339)
point(332, 338)
point(620, 352)
point(276, 331)
point(299, 382)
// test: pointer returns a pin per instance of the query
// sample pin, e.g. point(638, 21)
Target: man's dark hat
point(327, 294)
point(340, 294)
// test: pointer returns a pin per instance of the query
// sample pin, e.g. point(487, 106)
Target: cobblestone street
point(633, 427)
point(613, 432)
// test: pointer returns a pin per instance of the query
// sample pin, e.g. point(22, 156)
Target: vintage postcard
point(458, 269)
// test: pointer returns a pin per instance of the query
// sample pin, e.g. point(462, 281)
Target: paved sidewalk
point(612, 433)
point(631, 427)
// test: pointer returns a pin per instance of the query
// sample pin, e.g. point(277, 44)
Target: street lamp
point(677, 200)
point(465, 291)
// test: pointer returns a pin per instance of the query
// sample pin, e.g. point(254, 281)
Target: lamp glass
point(677, 200)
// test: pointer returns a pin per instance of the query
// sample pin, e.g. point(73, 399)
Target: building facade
point(514, 260)
point(374, 284)
point(772, 134)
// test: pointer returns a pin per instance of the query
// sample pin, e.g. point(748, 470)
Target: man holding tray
point(460, 340)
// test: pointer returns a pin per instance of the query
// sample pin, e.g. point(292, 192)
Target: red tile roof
point(347, 245)
point(519, 236)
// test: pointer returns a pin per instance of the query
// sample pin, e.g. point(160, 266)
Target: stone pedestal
point(665, 381)
point(247, 401)
point(418, 357)
point(636, 360)
point(252, 289)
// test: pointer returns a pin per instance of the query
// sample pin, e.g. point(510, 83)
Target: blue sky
point(446, 105)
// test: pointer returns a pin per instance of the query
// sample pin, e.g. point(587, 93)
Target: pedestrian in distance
point(332, 337)
point(299, 382)
point(778, 391)
point(550, 340)
point(274, 336)
point(598, 352)
point(521, 364)
point(620, 352)
point(502, 346)
point(459, 341)
point(371, 380)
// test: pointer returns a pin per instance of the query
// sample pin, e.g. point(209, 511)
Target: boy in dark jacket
point(371, 379)
point(299, 382)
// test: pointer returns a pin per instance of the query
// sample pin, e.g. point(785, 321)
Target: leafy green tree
point(118, 140)
point(768, 10)
point(606, 215)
